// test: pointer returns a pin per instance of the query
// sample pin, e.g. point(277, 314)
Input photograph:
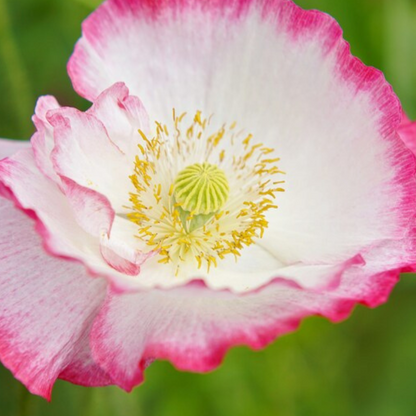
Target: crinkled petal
point(92, 210)
point(46, 310)
point(121, 256)
point(74, 149)
point(123, 116)
point(122, 250)
point(61, 233)
point(85, 154)
point(42, 141)
point(193, 326)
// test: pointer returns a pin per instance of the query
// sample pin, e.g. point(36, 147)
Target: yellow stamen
point(192, 202)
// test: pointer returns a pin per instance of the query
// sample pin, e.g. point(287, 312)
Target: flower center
point(201, 193)
point(201, 188)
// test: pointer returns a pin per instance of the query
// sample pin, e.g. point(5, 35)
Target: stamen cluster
point(231, 210)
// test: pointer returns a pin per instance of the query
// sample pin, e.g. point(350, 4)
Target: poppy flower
point(238, 171)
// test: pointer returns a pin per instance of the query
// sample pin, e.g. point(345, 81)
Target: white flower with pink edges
point(239, 170)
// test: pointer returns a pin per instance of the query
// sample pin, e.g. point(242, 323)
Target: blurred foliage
point(365, 366)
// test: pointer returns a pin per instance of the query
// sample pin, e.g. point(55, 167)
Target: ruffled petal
point(62, 235)
point(85, 154)
point(46, 310)
point(193, 326)
point(42, 141)
point(123, 115)
point(92, 210)
point(121, 256)
point(76, 151)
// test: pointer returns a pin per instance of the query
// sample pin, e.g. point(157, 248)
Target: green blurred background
point(364, 366)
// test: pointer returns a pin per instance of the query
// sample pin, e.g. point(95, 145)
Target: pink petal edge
point(37, 349)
